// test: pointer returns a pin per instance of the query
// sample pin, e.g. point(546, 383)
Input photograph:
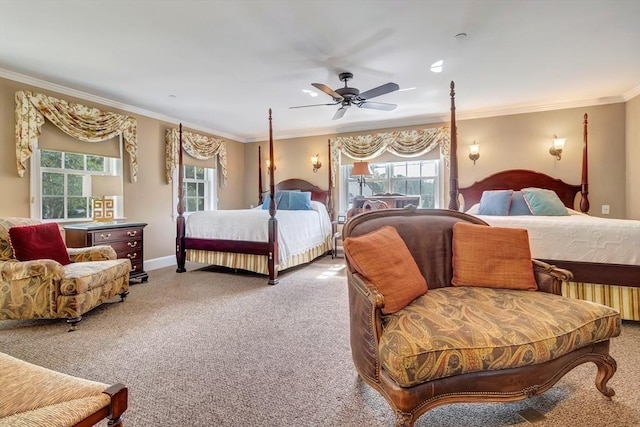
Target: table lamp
point(103, 187)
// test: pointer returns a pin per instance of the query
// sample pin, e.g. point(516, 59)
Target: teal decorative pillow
point(518, 205)
point(544, 202)
point(267, 200)
point(299, 201)
point(495, 202)
point(282, 199)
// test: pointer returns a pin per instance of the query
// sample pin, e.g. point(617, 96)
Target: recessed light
point(406, 89)
point(460, 36)
point(310, 92)
point(172, 96)
point(436, 67)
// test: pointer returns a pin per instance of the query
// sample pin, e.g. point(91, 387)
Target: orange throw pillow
point(382, 257)
point(492, 257)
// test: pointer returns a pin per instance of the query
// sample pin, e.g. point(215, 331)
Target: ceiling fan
point(347, 96)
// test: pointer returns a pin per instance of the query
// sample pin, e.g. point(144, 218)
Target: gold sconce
point(269, 166)
point(556, 148)
point(474, 152)
point(315, 162)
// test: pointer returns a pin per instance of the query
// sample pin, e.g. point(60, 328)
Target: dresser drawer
point(103, 237)
point(124, 247)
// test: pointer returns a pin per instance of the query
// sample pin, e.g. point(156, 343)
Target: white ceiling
point(228, 62)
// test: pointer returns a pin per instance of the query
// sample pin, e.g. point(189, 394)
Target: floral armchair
point(46, 289)
point(438, 317)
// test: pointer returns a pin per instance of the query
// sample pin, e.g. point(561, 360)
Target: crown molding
point(352, 127)
point(32, 81)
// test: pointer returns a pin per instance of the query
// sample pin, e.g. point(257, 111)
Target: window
point(412, 178)
point(57, 179)
point(199, 189)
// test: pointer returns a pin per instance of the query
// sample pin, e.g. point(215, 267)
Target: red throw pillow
point(39, 241)
point(382, 257)
point(492, 257)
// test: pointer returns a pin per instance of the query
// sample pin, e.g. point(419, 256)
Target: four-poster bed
point(258, 240)
point(612, 278)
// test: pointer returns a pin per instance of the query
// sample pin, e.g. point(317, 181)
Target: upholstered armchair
point(446, 309)
point(47, 289)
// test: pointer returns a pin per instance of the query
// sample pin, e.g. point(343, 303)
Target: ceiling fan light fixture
point(437, 66)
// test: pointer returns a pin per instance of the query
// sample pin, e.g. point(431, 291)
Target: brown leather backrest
point(428, 233)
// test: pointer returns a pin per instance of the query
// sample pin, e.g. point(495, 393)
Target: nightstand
point(124, 237)
point(336, 226)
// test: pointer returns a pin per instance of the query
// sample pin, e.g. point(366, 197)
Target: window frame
point(346, 179)
point(113, 166)
point(210, 189)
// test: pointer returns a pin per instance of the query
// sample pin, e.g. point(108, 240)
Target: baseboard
point(156, 263)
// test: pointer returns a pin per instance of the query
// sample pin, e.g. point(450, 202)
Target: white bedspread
point(577, 237)
point(298, 231)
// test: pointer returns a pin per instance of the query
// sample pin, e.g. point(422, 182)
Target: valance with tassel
point(199, 146)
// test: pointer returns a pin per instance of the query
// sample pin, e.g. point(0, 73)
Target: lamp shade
point(360, 168)
point(106, 185)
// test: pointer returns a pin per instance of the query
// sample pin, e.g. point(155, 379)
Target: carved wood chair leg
point(73, 323)
point(116, 422)
point(123, 295)
point(607, 366)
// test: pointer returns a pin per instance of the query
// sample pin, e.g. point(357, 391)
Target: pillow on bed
point(495, 202)
point(544, 202)
point(492, 257)
point(300, 201)
point(518, 205)
point(383, 257)
point(267, 200)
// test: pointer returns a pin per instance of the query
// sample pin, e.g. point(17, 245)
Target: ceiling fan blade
point(380, 90)
point(313, 105)
point(378, 106)
point(339, 113)
point(326, 89)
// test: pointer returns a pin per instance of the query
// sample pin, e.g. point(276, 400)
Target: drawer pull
point(132, 256)
point(132, 233)
point(132, 244)
point(105, 236)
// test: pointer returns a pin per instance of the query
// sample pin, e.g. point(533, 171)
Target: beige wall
point(148, 200)
point(515, 141)
point(633, 157)
point(519, 141)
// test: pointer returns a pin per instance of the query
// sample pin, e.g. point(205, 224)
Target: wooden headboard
point(517, 179)
point(317, 193)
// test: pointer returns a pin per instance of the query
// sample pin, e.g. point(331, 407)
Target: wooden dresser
point(126, 238)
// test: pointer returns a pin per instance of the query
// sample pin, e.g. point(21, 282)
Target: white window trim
point(210, 191)
point(344, 204)
point(113, 167)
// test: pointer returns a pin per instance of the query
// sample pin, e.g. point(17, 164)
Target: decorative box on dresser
point(126, 238)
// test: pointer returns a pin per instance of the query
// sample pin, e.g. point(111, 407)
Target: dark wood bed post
point(453, 153)
point(330, 194)
point(181, 252)
point(584, 191)
point(260, 191)
point(273, 222)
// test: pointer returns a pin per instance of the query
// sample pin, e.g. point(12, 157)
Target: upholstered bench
point(446, 309)
point(34, 396)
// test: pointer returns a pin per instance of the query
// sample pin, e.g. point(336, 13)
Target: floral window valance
point(410, 143)
point(199, 146)
point(79, 121)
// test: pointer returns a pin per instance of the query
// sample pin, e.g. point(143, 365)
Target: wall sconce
point(474, 152)
point(269, 167)
point(315, 162)
point(558, 145)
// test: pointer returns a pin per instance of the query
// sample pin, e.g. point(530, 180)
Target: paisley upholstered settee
point(446, 309)
point(48, 289)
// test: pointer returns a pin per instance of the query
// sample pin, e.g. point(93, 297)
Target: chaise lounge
point(80, 280)
point(446, 309)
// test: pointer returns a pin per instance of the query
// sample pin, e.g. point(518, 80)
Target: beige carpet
point(207, 348)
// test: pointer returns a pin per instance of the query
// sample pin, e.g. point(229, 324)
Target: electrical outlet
point(605, 209)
